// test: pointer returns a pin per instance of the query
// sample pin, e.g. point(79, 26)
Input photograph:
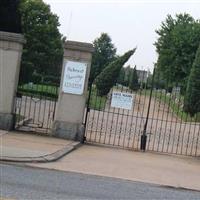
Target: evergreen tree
point(192, 97)
point(133, 83)
point(108, 77)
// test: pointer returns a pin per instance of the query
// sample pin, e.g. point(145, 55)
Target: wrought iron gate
point(156, 121)
point(35, 106)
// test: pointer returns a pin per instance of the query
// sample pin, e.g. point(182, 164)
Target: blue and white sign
point(74, 77)
point(122, 100)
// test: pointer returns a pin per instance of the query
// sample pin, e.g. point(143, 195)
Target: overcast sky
point(129, 23)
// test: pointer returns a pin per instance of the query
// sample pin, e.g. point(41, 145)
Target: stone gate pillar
point(11, 45)
point(73, 91)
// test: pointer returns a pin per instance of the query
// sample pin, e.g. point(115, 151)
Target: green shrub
point(36, 78)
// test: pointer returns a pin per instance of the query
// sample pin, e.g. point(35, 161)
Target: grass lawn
point(38, 90)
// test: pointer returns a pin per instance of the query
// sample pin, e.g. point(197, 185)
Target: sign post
point(122, 100)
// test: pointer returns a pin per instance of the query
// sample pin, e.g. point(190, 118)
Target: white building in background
point(142, 76)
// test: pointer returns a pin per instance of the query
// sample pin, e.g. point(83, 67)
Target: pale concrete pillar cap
point(12, 37)
point(79, 46)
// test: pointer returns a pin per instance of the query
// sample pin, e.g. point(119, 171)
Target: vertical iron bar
point(118, 114)
point(102, 121)
point(136, 121)
point(194, 126)
point(188, 138)
point(166, 122)
point(137, 116)
point(152, 119)
point(98, 132)
point(143, 108)
point(182, 144)
point(162, 118)
point(93, 97)
point(125, 127)
point(180, 127)
point(132, 116)
point(144, 135)
point(197, 141)
point(176, 121)
point(108, 116)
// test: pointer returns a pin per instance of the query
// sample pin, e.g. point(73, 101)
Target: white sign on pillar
point(74, 77)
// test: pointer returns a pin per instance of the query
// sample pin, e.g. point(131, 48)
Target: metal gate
point(156, 121)
point(35, 106)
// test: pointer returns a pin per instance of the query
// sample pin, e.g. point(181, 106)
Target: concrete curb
point(46, 158)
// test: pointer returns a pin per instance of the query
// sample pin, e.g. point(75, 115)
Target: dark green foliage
point(104, 53)
point(36, 78)
point(120, 79)
point(176, 47)
point(52, 80)
point(192, 97)
point(133, 83)
point(108, 77)
point(9, 16)
point(43, 51)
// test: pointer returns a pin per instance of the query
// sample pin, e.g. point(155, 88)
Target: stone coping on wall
point(80, 46)
point(12, 37)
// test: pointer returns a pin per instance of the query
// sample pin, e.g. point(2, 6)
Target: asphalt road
point(18, 182)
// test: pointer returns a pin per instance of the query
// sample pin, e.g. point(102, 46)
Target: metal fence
point(35, 106)
point(155, 122)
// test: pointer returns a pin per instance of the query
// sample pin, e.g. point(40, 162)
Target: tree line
point(177, 47)
point(43, 51)
point(178, 58)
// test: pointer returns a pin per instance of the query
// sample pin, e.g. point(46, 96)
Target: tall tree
point(108, 77)
point(176, 46)
point(133, 83)
point(192, 97)
point(43, 51)
point(105, 52)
